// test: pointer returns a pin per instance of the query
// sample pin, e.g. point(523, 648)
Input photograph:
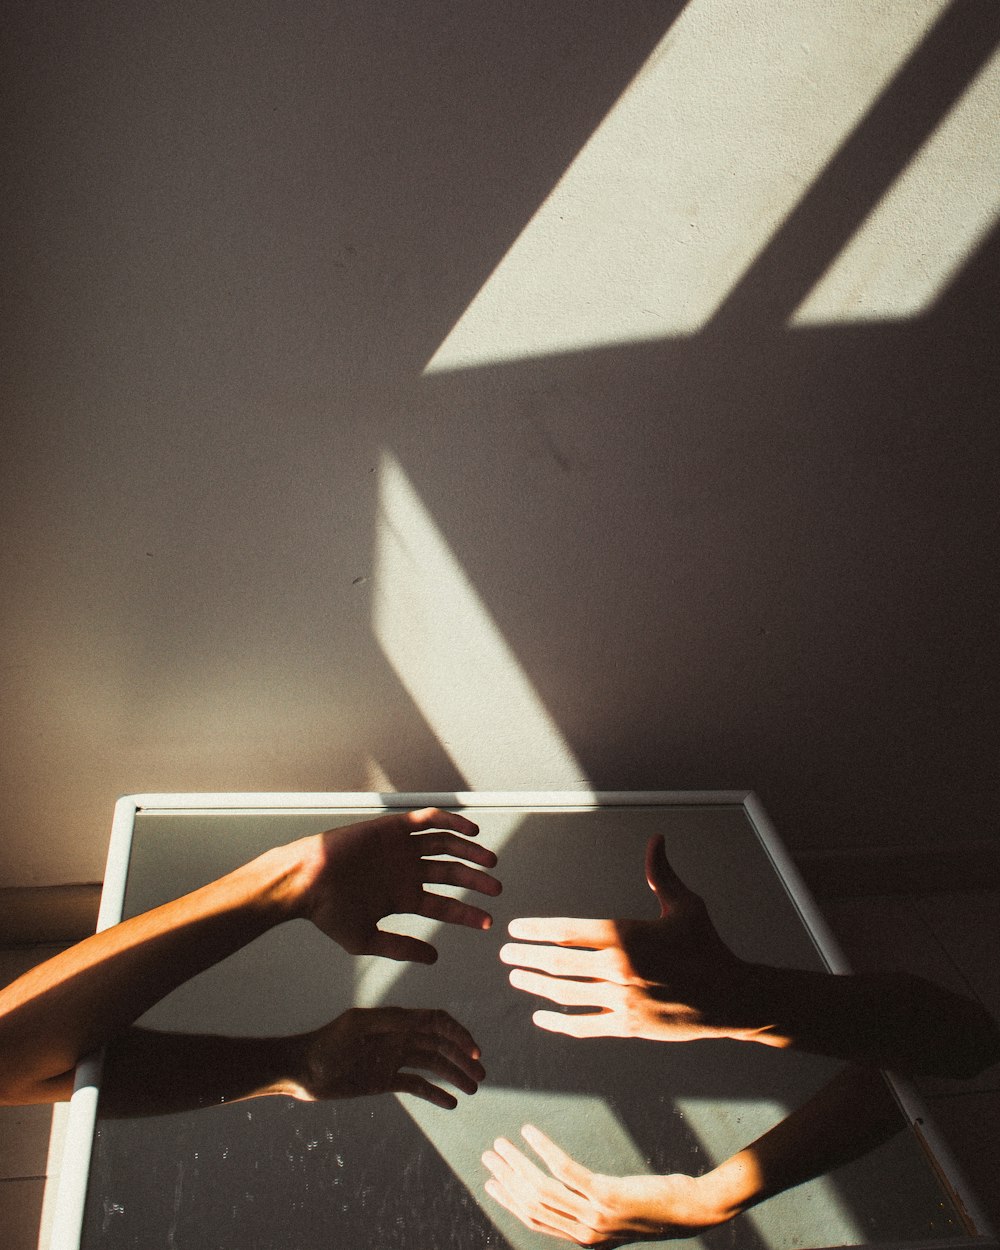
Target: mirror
point(394, 1171)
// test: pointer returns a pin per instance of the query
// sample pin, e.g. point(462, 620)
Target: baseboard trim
point(48, 914)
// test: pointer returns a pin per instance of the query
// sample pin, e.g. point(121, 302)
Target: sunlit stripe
point(688, 178)
point(926, 225)
point(454, 662)
point(448, 653)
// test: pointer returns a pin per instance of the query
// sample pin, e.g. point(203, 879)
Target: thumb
point(662, 879)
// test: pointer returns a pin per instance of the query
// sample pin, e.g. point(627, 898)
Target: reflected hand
point(571, 1202)
point(665, 979)
point(356, 875)
point(371, 1051)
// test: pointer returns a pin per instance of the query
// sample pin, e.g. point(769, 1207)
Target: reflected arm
point(344, 880)
point(846, 1119)
point(362, 1052)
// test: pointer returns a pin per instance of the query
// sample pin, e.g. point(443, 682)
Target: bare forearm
point(851, 1115)
point(891, 1020)
point(75, 1002)
point(152, 1073)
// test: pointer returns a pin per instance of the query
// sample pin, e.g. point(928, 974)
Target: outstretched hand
point(358, 874)
point(371, 1051)
point(662, 979)
point(570, 1202)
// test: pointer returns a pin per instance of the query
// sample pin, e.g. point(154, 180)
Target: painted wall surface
point(454, 395)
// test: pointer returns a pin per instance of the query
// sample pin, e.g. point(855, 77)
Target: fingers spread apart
point(448, 872)
point(566, 993)
point(434, 1042)
point(449, 844)
point(556, 1204)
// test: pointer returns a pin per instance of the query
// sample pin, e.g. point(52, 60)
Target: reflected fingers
point(538, 1200)
point(522, 1210)
point(526, 1181)
point(559, 1163)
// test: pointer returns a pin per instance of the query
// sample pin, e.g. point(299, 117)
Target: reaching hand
point(365, 1051)
point(661, 979)
point(571, 1202)
point(358, 874)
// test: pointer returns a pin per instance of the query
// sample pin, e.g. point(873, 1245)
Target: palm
point(658, 979)
point(365, 872)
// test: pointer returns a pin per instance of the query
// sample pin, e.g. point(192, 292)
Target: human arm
point(344, 880)
point(847, 1118)
point(674, 979)
point(363, 1051)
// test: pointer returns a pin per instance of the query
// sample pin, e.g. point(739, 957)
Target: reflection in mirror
point(184, 1144)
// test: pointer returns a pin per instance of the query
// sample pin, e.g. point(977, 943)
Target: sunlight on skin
point(465, 680)
point(927, 224)
point(823, 1221)
point(467, 683)
point(688, 178)
point(586, 1126)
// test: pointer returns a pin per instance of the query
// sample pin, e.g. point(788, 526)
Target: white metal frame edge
point(71, 1195)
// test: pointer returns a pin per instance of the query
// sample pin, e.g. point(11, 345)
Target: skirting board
point(48, 914)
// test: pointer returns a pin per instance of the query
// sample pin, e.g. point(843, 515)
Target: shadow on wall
point(768, 547)
point(757, 554)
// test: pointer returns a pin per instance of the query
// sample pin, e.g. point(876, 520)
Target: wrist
point(658, 1205)
point(731, 1188)
point(283, 879)
point(747, 1008)
point(292, 1068)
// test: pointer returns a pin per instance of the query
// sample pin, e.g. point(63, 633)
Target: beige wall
point(465, 395)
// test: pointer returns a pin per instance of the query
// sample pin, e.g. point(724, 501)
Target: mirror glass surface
point(394, 1171)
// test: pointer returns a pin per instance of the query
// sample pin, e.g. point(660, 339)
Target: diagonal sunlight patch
point(926, 225)
point(449, 655)
point(575, 1121)
point(690, 175)
point(454, 662)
